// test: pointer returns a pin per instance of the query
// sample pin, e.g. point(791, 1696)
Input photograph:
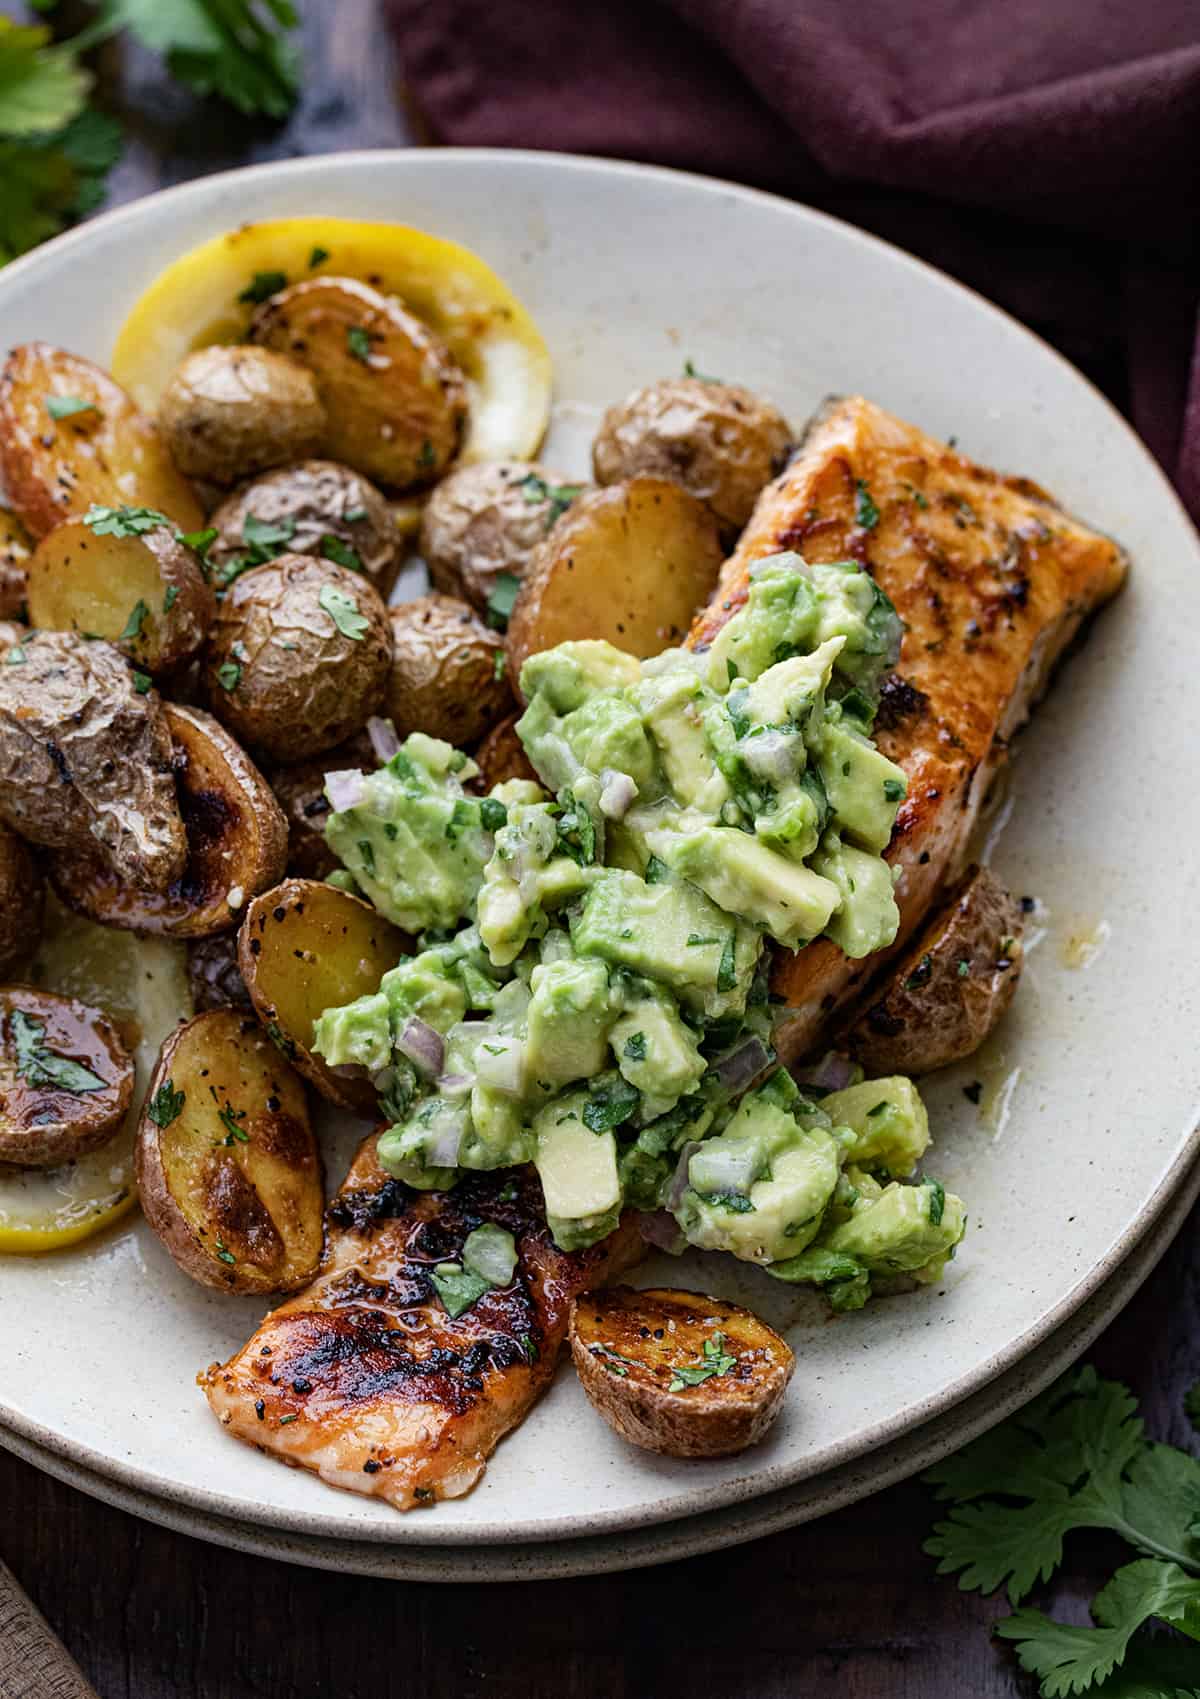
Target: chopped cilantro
point(135, 622)
point(141, 682)
point(224, 1254)
point(689, 371)
point(343, 611)
point(166, 1105)
point(501, 599)
point(66, 406)
point(635, 1047)
point(937, 1201)
point(42, 1066)
point(716, 1361)
point(123, 521)
point(170, 596)
point(358, 342)
point(866, 513)
point(499, 664)
point(610, 1105)
point(317, 256)
point(612, 1360)
point(735, 1202)
point(727, 966)
point(229, 675)
point(263, 285)
point(894, 790)
point(334, 549)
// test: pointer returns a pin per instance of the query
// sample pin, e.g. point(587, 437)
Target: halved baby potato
point(227, 1165)
point(306, 947)
point(66, 1078)
point(210, 295)
point(236, 843)
point(71, 436)
point(679, 1372)
point(449, 674)
point(144, 593)
point(230, 412)
point(630, 563)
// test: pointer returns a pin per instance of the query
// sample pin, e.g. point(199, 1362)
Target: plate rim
point(773, 1477)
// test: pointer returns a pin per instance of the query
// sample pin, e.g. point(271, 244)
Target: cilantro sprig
point(40, 1065)
point(1077, 1457)
point(715, 1363)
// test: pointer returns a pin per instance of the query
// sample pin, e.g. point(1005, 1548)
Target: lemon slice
point(142, 985)
point(196, 301)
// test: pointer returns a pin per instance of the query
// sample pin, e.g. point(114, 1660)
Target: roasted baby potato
point(236, 842)
point(316, 508)
point(16, 546)
point(679, 1372)
point(501, 756)
point(144, 593)
point(99, 448)
point(298, 657)
point(22, 901)
point(214, 978)
point(631, 563)
point(230, 412)
point(941, 998)
point(343, 947)
point(395, 401)
point(227, 1165)
point(66, 1079)
point(720, 442)
point(483, 521)
point(300, 792)
point(86, 760)
point(448, 675)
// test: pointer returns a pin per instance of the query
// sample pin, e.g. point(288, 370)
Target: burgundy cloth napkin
point(1046, 152)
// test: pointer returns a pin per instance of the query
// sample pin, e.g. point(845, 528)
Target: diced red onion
point(738, 1067)
point(832, 1073)
point(661, 1229)
point(384, 741)
point(679, 1180)
point(506, 1070)
point(455, 1085)
point(345, 788)
point(617, 794)
point(422, 1044)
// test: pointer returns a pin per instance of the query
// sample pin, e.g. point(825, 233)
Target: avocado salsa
point(591, 989)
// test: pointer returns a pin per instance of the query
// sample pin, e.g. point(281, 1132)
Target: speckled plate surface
point(713, 1530)
point(1089, 1106)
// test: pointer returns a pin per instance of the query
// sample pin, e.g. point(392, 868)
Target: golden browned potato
point(944, 995)
point(16, 546)
point(86, 759)
point(722, 443)
point(66, 1079)
point(306, 947)
point(316, 508)
point(483, 521)
point(230, 412)
point(214, 977)
point(298, 657)
point(227, 1166)
point(300, 792)
point(449, 672)
point(70, 436)
point(679, 1372)
point(142, 590)
point(501, 756)
point(236, 842)
point(395, 401)
point(630, 564)
point(22, 902)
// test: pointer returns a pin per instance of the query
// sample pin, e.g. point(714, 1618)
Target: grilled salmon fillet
point(992, 581)
point(365, 1379)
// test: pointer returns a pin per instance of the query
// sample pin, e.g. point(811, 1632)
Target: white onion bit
point(345, 788)
point(618, 794)
point(384, 741)
point(422, 1044)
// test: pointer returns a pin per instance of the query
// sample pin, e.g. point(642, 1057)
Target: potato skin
point(232, 411)
point(445, 679)
point(649, 1335)
point(486, 519)
point(55, 468)
point(396, 403)
point(43, 1124)
point(317, 497)
point(300, 792)
point(631, 563)
point(719, 441)
point(502, 756)
point(278, 670)
point(78, 581)
point(929, 1012)
point(16, 546)
point(236, 842)
point(214, 976)
point(86, 763)
point(244, 1213)
point(22, 902)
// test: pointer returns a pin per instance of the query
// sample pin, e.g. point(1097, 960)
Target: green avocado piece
point(747, 878)
point(866, 918)
point(571, 672)
point(569, 1017)
point(888, 1120)
point(657, 1052)
point(578, 1170)
point(900, 1230)
point(864, 788)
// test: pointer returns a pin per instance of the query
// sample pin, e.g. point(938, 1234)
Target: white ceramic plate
point(713, 1530)
point(1096, 1077)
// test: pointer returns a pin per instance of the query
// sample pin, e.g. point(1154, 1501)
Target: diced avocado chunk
point(571, 672)
point(900, 1230)
point(358, 1032)
point(658, 1053)
point(606, 731)
point(792, 692)
point(414, 841)
point(527, 878)
point(498, 1136)
point(670, 703)
point(746, 878)
point(888, 1120)
point(408, 1151)
point(578, 1170)
point(867, 918)
point(569, 1016)
point(864, 788)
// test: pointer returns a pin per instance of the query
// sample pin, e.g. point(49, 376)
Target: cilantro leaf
point(66, 406)
point(46, 181)
point(866, 513)
point(335, 550)
point(358, 342)
point(135, 622)
point(689, 371)
point(263, 285)
point(610, 1105)
point(343, 611)
point(716, 1361)
point(166, 1105)
point(458, 1287)
point(41, 86)
point(232, 48)
point(229, 675)
point(42, 1066)
point(500, 601)
point(123, 521)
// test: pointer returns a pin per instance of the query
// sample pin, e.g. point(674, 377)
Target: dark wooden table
point(848, 1606)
